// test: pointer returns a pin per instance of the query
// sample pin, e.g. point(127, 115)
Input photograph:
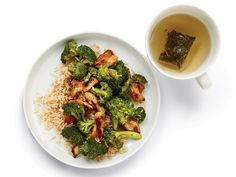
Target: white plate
point(39, 81)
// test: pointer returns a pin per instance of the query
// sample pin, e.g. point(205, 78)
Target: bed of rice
point(49, 107)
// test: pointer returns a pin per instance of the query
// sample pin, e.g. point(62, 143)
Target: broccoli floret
point(85, 126)
point(139, 114)
point(92, 149)
point(139, 79)
point(114, 85)
point(69, 51)
point(91, 72)
point(114, 74)
point(86, 55)
point(78, 70)
point(73, 135)
point(120, 110)
point(125, 90)
point(83, 53)
point(74, 110)
point(122, 71)
point(127, 134)
point(113, 138)
point(104, 73)
point(104, 93)
point(111, 77)
point(87, 77)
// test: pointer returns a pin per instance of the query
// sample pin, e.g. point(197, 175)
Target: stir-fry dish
point(100, 111)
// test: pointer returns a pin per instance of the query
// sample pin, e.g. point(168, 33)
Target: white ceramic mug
point(200, 72)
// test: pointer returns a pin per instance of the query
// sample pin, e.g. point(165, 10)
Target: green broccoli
point(114, 74)
point(114, 85)
point(74, 110)
point(78, 70)
point(124, 92)
point(138, 79)
point(139, 114)
point(104, 73)
point(85, 126)
point(104, 93)
point(120, 110)
point(92, 149)
point(111, 77)
point(83, 53)
point(122, 71)
point(86, 55)
point(73, 135)
point(127, 134)
point(113, 138)
point(69, 51)
point(91, 72)
point(87, 77)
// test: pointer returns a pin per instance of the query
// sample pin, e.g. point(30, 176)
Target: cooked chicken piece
point(74, 86)
point(107, 58)
point(91, 98)
point(90, 101)
point(132, 126)
point(98, 128)
point(100, 108)
point(98, 115)
point(75, 151)
point(89, 112)
point(77, 86)
point(93, 81)
point(82, 102)
point(69, 119)
point(136, 92)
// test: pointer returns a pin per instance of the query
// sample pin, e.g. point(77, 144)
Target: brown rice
point(50, 105)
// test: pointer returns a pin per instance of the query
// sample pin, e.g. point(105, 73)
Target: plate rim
point(27, 118)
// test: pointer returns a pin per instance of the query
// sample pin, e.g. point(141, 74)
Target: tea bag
point(176, 48)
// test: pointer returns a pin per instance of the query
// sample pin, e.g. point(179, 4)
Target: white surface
point(196, 132)
point(44, 67)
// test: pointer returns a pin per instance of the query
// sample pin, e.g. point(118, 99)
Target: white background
point(196, 132)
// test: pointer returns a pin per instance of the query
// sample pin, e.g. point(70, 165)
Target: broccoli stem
point(128, 134)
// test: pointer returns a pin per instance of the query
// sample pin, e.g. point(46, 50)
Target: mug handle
point(204, 81)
